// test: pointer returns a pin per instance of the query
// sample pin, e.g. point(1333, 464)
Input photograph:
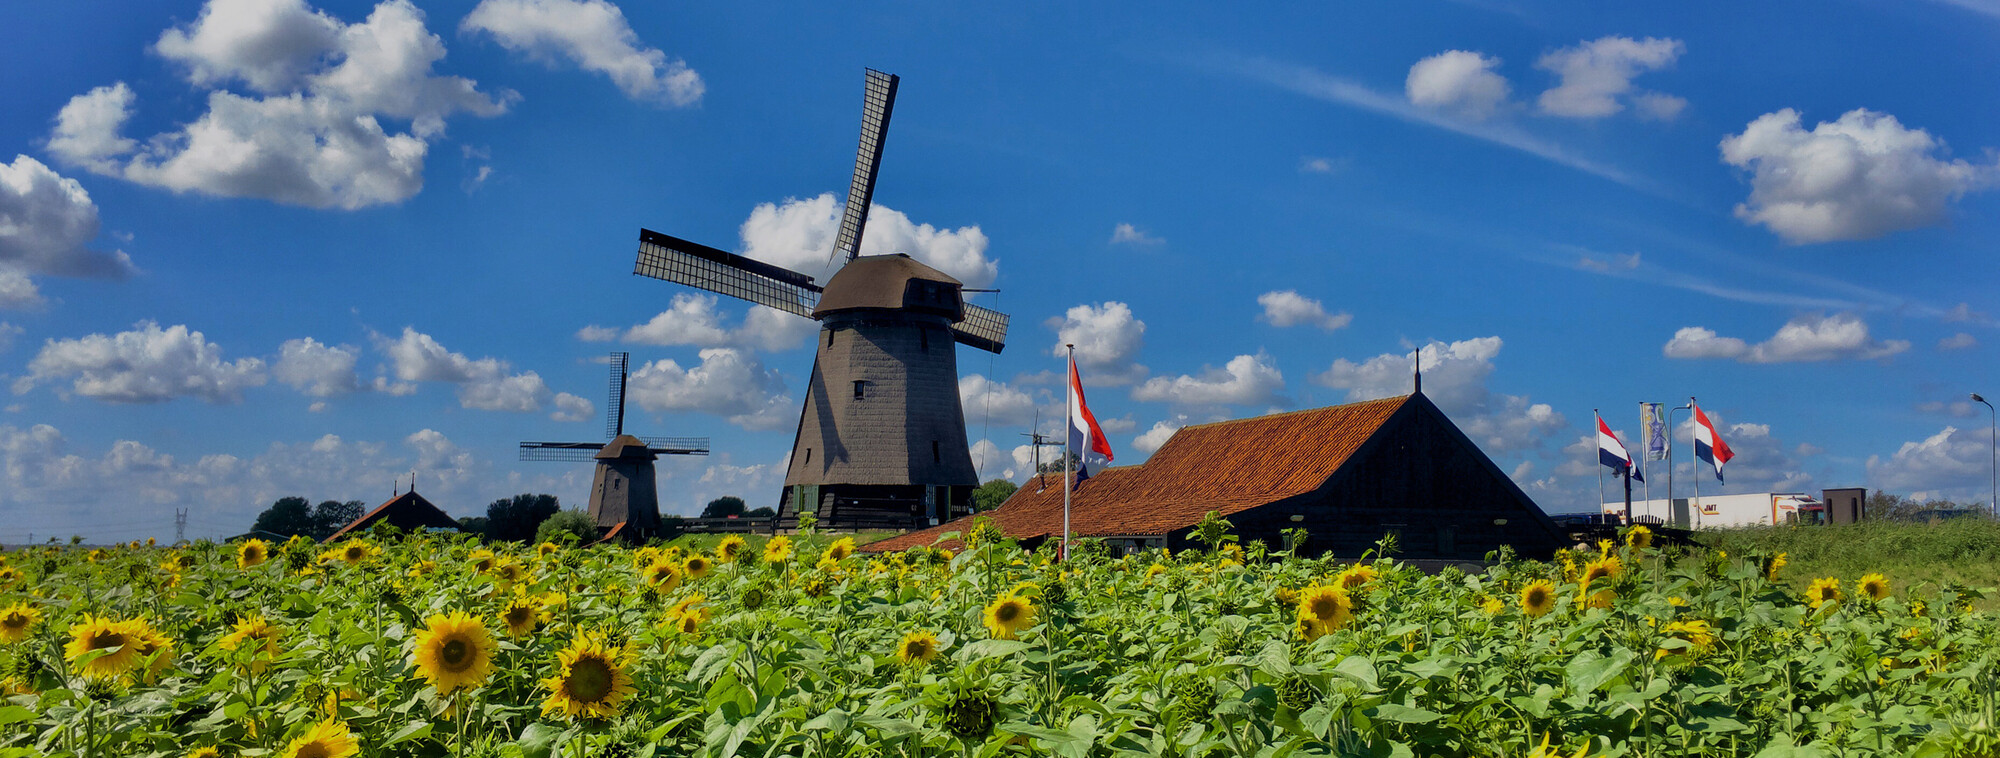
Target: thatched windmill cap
point(626, 446)
point(891, 282)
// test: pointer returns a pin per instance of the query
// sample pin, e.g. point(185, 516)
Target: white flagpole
point(1646, 431)
point(1600, 464)
point(1069, 419)
point(1695, 511)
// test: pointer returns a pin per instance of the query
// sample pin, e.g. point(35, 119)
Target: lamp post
point(1993, 431)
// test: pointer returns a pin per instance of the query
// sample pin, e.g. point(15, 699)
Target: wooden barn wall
point(1417, 478)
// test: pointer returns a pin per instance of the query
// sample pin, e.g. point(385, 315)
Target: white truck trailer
point(1715, 511)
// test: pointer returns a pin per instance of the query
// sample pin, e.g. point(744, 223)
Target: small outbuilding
point(408, 511)
point(1347, 474)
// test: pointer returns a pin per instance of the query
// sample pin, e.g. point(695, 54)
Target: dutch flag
point(1611, 452)
point(1085, 437)
point(1708, 445)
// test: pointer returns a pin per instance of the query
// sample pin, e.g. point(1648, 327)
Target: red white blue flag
point(1085, 437)
point(1611, 451)
point(1708, 445)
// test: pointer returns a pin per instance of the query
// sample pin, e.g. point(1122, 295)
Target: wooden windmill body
point(881, 438)
point(624, 491)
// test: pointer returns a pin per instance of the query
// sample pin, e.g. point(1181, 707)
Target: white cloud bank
point(1460, 82)
point(798, 235)
point(1596, 78)
point(1456, 378)
point(728, 382)
point(1250, 380)
point(46, 222)
point(594, 35)
point(691, 319)
point(485, 384)
point(1107, 338)
point(147, 364)
point(1284, 308)
point(1803, 339)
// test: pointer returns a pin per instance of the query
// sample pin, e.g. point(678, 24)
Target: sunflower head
point(481, 560)
point(327, 739)
point(1605, 567)
point(696, 566)
point(1823, 591)
point(256, 634)
point(917, 648)
point(547, 549)
point(732, 548)
point(521, 615)
point(841, 548)
point(1008, 615)
point(453, 651)
point(1329, 606)
point(1491, 606)
point(778, 549)
point(17, 621)
point(1599, 599)
point(1356, 577)
point(1774, 564)
point(1695, 632)
point(1874, 586)
point(115, 645)
point(252, 553)
point(1639, 536)
point(206, 751)
point(1538, 598)
point(662, 576)
point(591, 681)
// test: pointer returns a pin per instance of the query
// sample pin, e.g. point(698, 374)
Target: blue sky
point(253, 248)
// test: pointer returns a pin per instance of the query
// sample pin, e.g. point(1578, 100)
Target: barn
point(1348, 474)
point(408, 511)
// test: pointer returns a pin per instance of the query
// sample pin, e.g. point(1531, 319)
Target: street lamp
point(1993, 431)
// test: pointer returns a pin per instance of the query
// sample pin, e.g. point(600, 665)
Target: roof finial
point(413, 482)
point(1417, 358)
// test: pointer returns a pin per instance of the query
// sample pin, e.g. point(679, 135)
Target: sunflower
point(254, 633)
point(509, 572)
point(1599, 599)
point(1356, 577)
point(206, 751)
point(547, 549)
point(1545, 750)
point(1008, 615)
point(695, 565)
point(687, 614)
point(662, 576)
point(17, 621)
point(153, 646)
point(327, 739)
point(590, 681)
point(841, 548)
point(1875, 586)
point(119, 641)
point(1538, 598)
point(1823, 591)
point(9, 576)
point(252, 553)
point(1639, 537)
point(481, 560)
point(1327, 607)
point(521, 615)
point(1491, 606)
point(1607, 567)
point(690, 623)
point(1155, 570)
point(1285, 595)
point(1774, 564)
point(732, 549)
point(778, 549)
point(1697, 633)
point(453, 651)
point(353, 552)
point(917, 648)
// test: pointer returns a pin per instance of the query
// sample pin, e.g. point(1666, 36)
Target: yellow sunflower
point(206, 751)
point(9, 576)
point(327, 739)
point(1545, 750)
point(354, 552)
point(1155, 570)
point(252, 553)
point(1599, 599)
point(255, 633)
point(695, 565)
point(1538, 598)
point(1875, 586)
point(1491, 606)
point(153, 646)
point(1823, 591)
point(521, 615)
point(120, 641)
point(1008, 615)
point(1699, 636)
point(481, 560)
point(732, 549)
point(509, 572)
point(1639, 537)
point(1327, 607)
point(917, 648)
point(17, 621)
point(453, 651)
point(1774, 564)
point(662, 576)
point(1356, 577)
point(590, 681)
point(778, 550)
point(841, 548)
point(1607, 567)
point(547, 549)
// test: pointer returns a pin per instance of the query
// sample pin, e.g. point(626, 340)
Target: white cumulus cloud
point(1803, 339)
point(592, 34)
point(798, 235)
point(692, 319)
point(486, 384)
point(727, 382)
point(1151, 440)
point(1954, 460)
point(145, 365)
point(1127, 234)
point(994, 402)
point(316, 369)
point(46, 222)
point(1460, 82)
point(1959, 341)
point(1107, 338)
point(1596, 75)
point(1457, 378)
point(1862, 176)
point(1244, 380)
point(1289, 308)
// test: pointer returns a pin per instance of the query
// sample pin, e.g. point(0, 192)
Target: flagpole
point(1069, 420)
point(1695, 510)
point(1646, 430)
point(1600, 464)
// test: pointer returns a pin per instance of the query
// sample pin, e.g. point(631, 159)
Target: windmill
point(624, 496)
point(881, 439)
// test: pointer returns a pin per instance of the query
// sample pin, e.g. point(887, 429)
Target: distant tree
point(991, 494)
point(472, 525)
point(1056, 466)
point(329, 516)
point(724, 507)
point(516, 518)
point(567, 527)
point(763, 511)
point(287, 517)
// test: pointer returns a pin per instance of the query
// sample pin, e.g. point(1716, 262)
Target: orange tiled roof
point(1229, 466)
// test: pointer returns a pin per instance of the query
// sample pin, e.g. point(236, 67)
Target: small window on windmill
point(860, 388)
point(930, 291)
point(809, 455)
point(924, 339)
point(936, 456)
point(829, 338)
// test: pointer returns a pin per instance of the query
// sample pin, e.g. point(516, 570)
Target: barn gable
point(1348, 473)
point(408, 511)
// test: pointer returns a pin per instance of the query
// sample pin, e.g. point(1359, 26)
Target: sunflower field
point(429, 645)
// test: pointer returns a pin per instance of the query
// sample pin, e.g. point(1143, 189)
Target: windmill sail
point(877, 102)
point(696, 265)
point(982, 328)
point(614, 411)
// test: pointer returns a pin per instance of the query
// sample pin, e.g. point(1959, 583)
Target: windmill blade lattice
point(878, 101)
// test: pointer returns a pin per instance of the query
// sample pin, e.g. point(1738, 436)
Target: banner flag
point(1653, 419)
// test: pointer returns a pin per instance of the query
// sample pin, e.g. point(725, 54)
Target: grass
point(1963, 550)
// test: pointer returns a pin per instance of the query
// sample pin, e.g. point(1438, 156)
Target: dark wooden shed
point(1348, 474)
point(408, 511)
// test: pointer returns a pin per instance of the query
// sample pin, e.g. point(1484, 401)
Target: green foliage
point(991, 494)
point(517, 518)
point(1213, 531)
point(331, 515)
point(1962, 550)
point(723, 507)
point(285, 518)
point(568, 528)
